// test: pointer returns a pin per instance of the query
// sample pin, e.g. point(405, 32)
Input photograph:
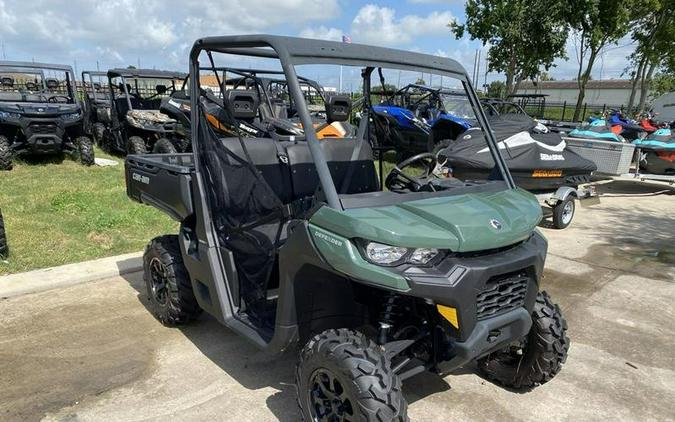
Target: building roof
point(599, 84)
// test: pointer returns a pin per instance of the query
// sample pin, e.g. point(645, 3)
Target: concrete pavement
point(92, 352)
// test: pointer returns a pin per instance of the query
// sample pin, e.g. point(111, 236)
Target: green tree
point(496, 89)
point(654, 34)
point(596, 24)
point(525, 36)
point(662, 83)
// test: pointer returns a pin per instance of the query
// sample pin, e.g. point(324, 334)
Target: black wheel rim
point(158, 286)
point(328, 399)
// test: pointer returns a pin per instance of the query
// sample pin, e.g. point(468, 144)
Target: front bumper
point(458, 281)
point(43, 135)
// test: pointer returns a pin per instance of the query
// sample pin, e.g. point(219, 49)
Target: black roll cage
point(292, 51)
point(137, 74)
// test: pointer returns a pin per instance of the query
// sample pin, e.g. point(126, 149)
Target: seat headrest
point(7, 81)
point(52, 83)
point(243, 103)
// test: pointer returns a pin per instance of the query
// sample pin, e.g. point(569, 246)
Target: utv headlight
point(380, 254)
point(9, 115)
point(71, 116)
point(422, 256)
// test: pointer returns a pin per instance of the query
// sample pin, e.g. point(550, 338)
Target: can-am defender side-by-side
point(137, 124)
point(40, 113)
point(96, 97)
point(297, 242)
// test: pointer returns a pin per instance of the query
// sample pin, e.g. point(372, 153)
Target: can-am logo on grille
point(496, 224)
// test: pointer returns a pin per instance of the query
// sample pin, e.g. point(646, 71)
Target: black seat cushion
point(264, 153)
point(352, 172)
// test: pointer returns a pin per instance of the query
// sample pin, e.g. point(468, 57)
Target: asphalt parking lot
point(93, 352)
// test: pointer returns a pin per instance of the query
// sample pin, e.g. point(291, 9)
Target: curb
point(69, 275)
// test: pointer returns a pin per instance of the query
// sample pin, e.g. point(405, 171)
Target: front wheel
point(164, 146)
point(136, 145)
point(539, 357)
point(563, 213)
point(343, 376)
point(98, 131)
point(85, 149)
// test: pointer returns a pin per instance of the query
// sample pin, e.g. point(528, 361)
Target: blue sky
point(158, 33)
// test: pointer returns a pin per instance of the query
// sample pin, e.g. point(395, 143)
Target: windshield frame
point(35, 68)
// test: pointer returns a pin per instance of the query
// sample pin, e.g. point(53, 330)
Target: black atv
point(378, 279)
point(137, 124)
point(96, 104)
point(40, 113)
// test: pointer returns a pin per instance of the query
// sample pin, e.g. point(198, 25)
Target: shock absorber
point(390, 312)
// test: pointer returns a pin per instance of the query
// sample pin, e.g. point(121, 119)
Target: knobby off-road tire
point(4, 247)
point(85, 149)
point(341, 373)
point(544, 353)
point(168, 284)
point(98, 130)
point(164, 146)
point(5, 154)
point(136, 145)
point(563, 213)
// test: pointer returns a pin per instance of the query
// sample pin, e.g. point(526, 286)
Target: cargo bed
point(163, 181)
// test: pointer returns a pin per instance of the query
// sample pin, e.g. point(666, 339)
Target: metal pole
point(340, 80)
point(477, 69)
point(562, 118)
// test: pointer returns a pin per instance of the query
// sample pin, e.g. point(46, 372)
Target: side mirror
point(243, 103)
point(338, 108)
point(160, 89)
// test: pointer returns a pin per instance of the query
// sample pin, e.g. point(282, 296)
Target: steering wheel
point(398, 180)
point(52, 99)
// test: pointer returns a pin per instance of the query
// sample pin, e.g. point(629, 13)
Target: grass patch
point(57, 212)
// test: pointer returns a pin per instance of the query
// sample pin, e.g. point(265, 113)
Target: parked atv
point(137, 124)
point(297, 241)
point(40, 114)
point(96, 104)
point(415, 118)
point(4, 247)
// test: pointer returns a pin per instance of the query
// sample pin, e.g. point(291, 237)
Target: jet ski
point(538, 162)
point(598, 129)
point(657, 152)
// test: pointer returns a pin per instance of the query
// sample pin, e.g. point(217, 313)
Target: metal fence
point(564, 111)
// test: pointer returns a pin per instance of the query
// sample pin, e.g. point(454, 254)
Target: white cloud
point(379, 25)
point(156, 31)
point(322, 33)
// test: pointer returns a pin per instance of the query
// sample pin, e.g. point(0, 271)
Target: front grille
point(501, 294)
point(42, 128)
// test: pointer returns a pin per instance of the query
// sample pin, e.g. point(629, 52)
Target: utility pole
point(139, 62)
point(477, 80)
point(4, 56)
point(98, 69)
point(473, 73)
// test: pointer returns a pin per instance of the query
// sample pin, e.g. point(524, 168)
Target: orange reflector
point(450, 314)
point(547, 173)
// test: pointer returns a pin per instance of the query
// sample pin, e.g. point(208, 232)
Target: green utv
point(297, 242)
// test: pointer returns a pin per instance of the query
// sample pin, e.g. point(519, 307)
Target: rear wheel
point(539, 357)
point(98, 131)
point(5, 154)
point(4, 247)
point(344, 376)
point(164, 146)
point(85, 149)
point(563, 213)
point(136, 145)
point(168, 284)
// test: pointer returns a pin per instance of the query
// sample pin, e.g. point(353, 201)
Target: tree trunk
point(634, 83)
point(582, 84)
point(510, 75)
point(644, 87)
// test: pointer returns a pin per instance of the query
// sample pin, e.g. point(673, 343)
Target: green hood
point(461, 223)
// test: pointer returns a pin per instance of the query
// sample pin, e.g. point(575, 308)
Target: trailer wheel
point(539, 358)
point(136, 145)
point(563, 213)
point(5, 154)
point(4, 247)
point(168, 284)
point(342, 375)
point(163, 146)
point(98, 131)
point(85, 149)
